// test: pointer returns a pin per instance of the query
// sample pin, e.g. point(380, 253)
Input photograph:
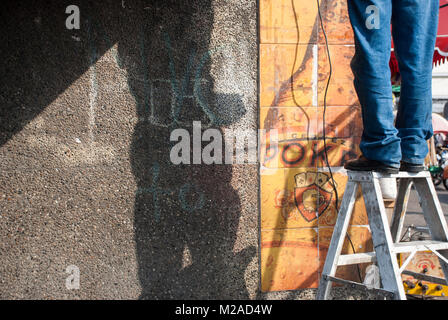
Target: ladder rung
point(425, 277)
point(360, 286)
point(369, 257)
point(355, 258)
point(363, 176)
point(403, 174)
point(419, 246)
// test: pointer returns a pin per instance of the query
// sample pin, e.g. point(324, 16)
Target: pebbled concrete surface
point(85, 175)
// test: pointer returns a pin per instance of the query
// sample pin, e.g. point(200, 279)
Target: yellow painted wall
point(298, 203)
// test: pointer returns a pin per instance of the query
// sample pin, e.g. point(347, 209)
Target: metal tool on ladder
point(386, 237)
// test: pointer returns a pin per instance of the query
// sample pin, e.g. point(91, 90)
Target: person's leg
point(370, 21)
point(414, 29)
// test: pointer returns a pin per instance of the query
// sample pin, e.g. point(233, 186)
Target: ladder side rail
point(337, 240)
point(401, 203)
point(433, 214)
point(432, 210)
point(382, 238)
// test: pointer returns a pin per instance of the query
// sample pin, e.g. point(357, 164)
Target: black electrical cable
point(324, 123)
point(292, 73)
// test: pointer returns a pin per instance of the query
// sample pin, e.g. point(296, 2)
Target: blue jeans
point(414, 29)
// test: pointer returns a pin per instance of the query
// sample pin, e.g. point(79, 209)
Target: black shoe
point(411, 167)
point(364, 164)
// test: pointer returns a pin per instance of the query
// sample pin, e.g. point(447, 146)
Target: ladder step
point(403, 174)
point(355, 258)
point(363, 176)
point(419, 246)
point(369, 257)
point(360, 286)
point(425, 277)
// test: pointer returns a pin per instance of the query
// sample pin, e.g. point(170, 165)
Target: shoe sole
point(413, 170)
point(387, 170)
point(375, 169)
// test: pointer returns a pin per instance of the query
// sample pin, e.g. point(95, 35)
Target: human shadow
point(186, 215)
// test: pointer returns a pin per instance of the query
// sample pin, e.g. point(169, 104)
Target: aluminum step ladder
point(386, 237)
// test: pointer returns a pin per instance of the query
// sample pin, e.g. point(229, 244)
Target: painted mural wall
point(299, 197)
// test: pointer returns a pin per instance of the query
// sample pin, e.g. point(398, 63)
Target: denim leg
point(414, 29)
point(370, 66)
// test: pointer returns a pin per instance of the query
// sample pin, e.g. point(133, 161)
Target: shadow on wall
point(39, 60)
point(186, 216)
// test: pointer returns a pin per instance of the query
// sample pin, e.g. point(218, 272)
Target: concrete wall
point(85, 174)
point(86, 180)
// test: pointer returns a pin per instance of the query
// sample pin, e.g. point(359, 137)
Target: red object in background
point(441, 49)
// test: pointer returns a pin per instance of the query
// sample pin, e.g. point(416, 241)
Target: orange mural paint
point(298, 198)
